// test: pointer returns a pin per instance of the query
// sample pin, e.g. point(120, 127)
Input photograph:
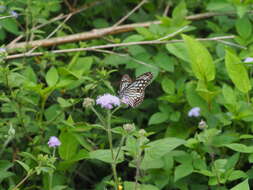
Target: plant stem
point(109, 134)
point(23, 180)
point(98, 115)
point(5, 144)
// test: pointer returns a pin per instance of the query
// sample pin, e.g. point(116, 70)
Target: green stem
point(5, 144)
point(50, 180)
point(120, 146)
point(109, 134)
point(23, 180)
point(98, 115)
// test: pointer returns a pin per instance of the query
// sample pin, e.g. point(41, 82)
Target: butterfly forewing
point(125, 82)
point(134, 91)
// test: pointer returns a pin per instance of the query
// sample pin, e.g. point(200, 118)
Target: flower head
point(2, 50)
point(248, 60)
point(2, 8)
point(107, 101)
point(54, 142)
point(88, 102)
point(129, 127)
point(194, 112)
point(202, 125)
point(14, 14)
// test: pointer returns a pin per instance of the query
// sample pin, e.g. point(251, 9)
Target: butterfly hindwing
point(134, 91)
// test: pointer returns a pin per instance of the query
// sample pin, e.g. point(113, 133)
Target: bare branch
point(130, 13)
point(97, 33)
point(95, 48)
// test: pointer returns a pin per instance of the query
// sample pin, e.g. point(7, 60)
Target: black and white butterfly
point(132, 92)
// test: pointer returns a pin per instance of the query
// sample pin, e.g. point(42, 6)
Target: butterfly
point(132, 92)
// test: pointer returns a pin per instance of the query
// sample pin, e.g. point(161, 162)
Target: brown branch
point(59, 17)
point(97, 33)
point(94, 48)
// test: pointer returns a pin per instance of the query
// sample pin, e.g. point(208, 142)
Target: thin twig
point(101, 32)
point(94, 48)
point(173, 34)
point(130, 13)
point(166, 10)
point(54, 31)
point(232, 44)
point(59, 17)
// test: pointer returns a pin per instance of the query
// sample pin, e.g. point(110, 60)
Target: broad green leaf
point(158, 117)
point(232, 161)
point(179, 50)
point(244, 27)
point(30, 74)
point(24, 165)
point(105, 155)
point(156, 149)
point(80, 66)
point(237, 174)
point(10, 25)
point(201, 60)
point(229, 94)
point(128, 185)
point(69, 145)
point(179, 13)
point(182, 171)
point(168, 85)
point(5, 174)
point(237, 72)
point(52, 76)
point(164, 61)
point(240, 147)
point(242, 186)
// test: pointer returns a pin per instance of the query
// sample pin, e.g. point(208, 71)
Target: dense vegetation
point(62, 126)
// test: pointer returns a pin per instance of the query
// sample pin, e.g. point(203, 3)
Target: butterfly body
point(133, 92)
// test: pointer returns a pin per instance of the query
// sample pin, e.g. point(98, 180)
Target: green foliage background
point(43, 96)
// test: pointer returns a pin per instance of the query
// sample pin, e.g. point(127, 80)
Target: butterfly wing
point(134, 92)
point(125, 82)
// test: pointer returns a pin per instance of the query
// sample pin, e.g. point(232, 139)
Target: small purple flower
point(107, 101)
point(194, 112)
point(248, 60)
point(2, 50)
point(2, 8)
point(14, 14)
point(54, 142)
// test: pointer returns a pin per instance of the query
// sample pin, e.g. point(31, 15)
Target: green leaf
point(128, 185)
point(244, 27)
point(157, 118)
point(242, 186)
point(69, 145)
point(168, 85)
point(10, 25)
point(237, 174)
point(24, 165)
point(240, 147)
point(237, 72)
point(30, 74)
point(52, 76)
point(105, 155)
point(201, 60)
point(80, 66)
point(179, 50)
point(179, 13)
point(229, 94)
point(182, 171)
point(156, 149)
point(163, 61)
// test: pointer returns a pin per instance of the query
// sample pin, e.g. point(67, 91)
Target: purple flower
point(2, 50)
point(107, 101)
point(248, 60)
point(2, 8)
point(14, 14)
point(194, 112)
point(54, 142)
